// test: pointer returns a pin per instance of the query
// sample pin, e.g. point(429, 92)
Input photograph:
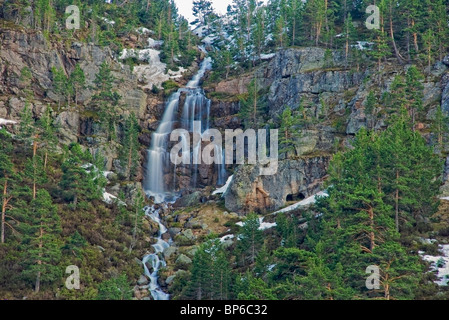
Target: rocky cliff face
point(333, 98)
point(294, 180)
point(30, 50)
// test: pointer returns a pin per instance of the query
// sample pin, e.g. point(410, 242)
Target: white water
point(155, 259)
point(196, 108)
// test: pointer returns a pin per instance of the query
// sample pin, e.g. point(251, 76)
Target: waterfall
point(196, 108)
point(160, 172)
point(155, 258)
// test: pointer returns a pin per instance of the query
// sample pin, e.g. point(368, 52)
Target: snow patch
point(224, 188)
point(262, 225)
point(439, 264)
point(110, 22)
point(154, 71)
point(143, 30)
point(4, 122)
point(226, 238)
point(110, 198)
point(154, 43)
point(267, 56)
point(308, 201)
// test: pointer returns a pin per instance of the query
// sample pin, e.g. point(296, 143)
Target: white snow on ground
point(445, 198)
point(263, 225)
point(225, 187)
point(209, 39)
point(226, 238)
point(154, 43)
point(303, 203)
point(154, 71)
point(110, 22)
point(110, 198)
point(143, 30)
point(4, 122)
point(363, 45)
point(200, 31)
point(267, 56)
point(439, 264)
point(106, 173)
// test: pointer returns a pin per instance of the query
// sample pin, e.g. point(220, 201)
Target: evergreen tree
point(6, 175)
point(61, 85)
point(106, 98)
point(440, 127)
point(290, 132)
point(129, 154)
point(116, 288)
point(41, 242)
point(371, 110)
point(202, 9)
point(414, 93)
point(248, 104)
point(78, 81)
point(247, 287)
point(210, 273)
point(250, 240)
point(81, 180)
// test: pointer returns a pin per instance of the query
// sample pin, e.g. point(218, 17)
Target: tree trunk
point(5, 188)
point(34, 166)
point(372, 243)
point(326, 20)
point(255, 101)
point(396, 200)
point(39, 262)
point(415, 38)
point(396, 50)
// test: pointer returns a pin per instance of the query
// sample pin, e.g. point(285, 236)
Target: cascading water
point(196, 108)
point(155, 258)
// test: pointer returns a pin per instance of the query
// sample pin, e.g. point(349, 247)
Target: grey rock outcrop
point(295, 179)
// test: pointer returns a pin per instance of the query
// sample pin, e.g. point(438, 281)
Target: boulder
point(294, 179)
point(69, 125)
point(183, 261)
point(142, 280)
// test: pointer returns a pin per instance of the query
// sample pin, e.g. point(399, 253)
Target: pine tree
point(412, 168)
point(202, 9)
point(61, 85)
point(428, 41)
point(42, 242)
point(129, 154)
point(440, 127)
point(138, 215)
point(248, 105)
point(222, 276)
point(247, 287)
point(78, 81)
point(250, 240)
point(115, 288)
point(6, 175)
point(47, 133)
point(81, 180)
point(106, 98)
point(289, 131)
point(370, 109)
point(414, 93)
